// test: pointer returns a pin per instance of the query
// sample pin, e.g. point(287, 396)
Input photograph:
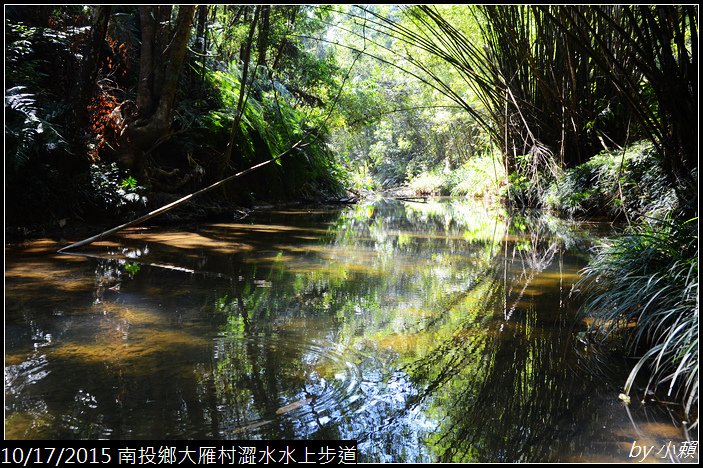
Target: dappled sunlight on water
point(439, 331)
point(189, 241)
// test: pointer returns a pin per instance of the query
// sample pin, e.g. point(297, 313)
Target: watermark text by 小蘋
point(683, 451)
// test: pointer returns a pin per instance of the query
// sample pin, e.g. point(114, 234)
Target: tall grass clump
point(649, 278)
point(481, 176)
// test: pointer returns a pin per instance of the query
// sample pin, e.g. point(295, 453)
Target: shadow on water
point(440, 331)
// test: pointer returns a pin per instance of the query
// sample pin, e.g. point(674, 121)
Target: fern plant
point(22, 126)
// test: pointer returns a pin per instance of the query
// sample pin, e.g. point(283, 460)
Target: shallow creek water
point(436, 331)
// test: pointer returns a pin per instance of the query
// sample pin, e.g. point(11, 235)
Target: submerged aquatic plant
point(649, 278)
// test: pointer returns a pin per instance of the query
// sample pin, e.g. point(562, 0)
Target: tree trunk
point(161, 62)
point(262, 43)
point(246, 54)
point(201, 43)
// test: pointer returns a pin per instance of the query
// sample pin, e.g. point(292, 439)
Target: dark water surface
point(439, 331)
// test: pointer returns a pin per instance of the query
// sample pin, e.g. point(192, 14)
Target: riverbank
point(192, 212)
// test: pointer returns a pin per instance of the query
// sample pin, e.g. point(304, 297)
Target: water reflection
point(439, 331)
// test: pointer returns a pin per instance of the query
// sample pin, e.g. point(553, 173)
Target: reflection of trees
point(405, 317)
point(499, 381)
point(380, 253)
point(504, 385)
point(490, 377)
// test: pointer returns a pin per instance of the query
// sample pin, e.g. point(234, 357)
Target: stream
point(442, 330)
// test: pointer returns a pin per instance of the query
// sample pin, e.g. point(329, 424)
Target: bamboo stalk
point(178, 202)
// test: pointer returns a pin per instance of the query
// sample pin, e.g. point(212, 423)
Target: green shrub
point(112, 191)
point(271, 123)
point(360, 179)
point(531, 177)
point(479, 177)
point(613, 184)
point(430, 183)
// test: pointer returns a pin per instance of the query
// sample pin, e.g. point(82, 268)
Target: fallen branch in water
point(180, 201)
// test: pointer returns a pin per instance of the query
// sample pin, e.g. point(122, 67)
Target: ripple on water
point(327, 386)
point(343, 392)
point(28, 372)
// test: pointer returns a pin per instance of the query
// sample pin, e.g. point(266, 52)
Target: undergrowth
point(616, 184)
point(649, 277)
